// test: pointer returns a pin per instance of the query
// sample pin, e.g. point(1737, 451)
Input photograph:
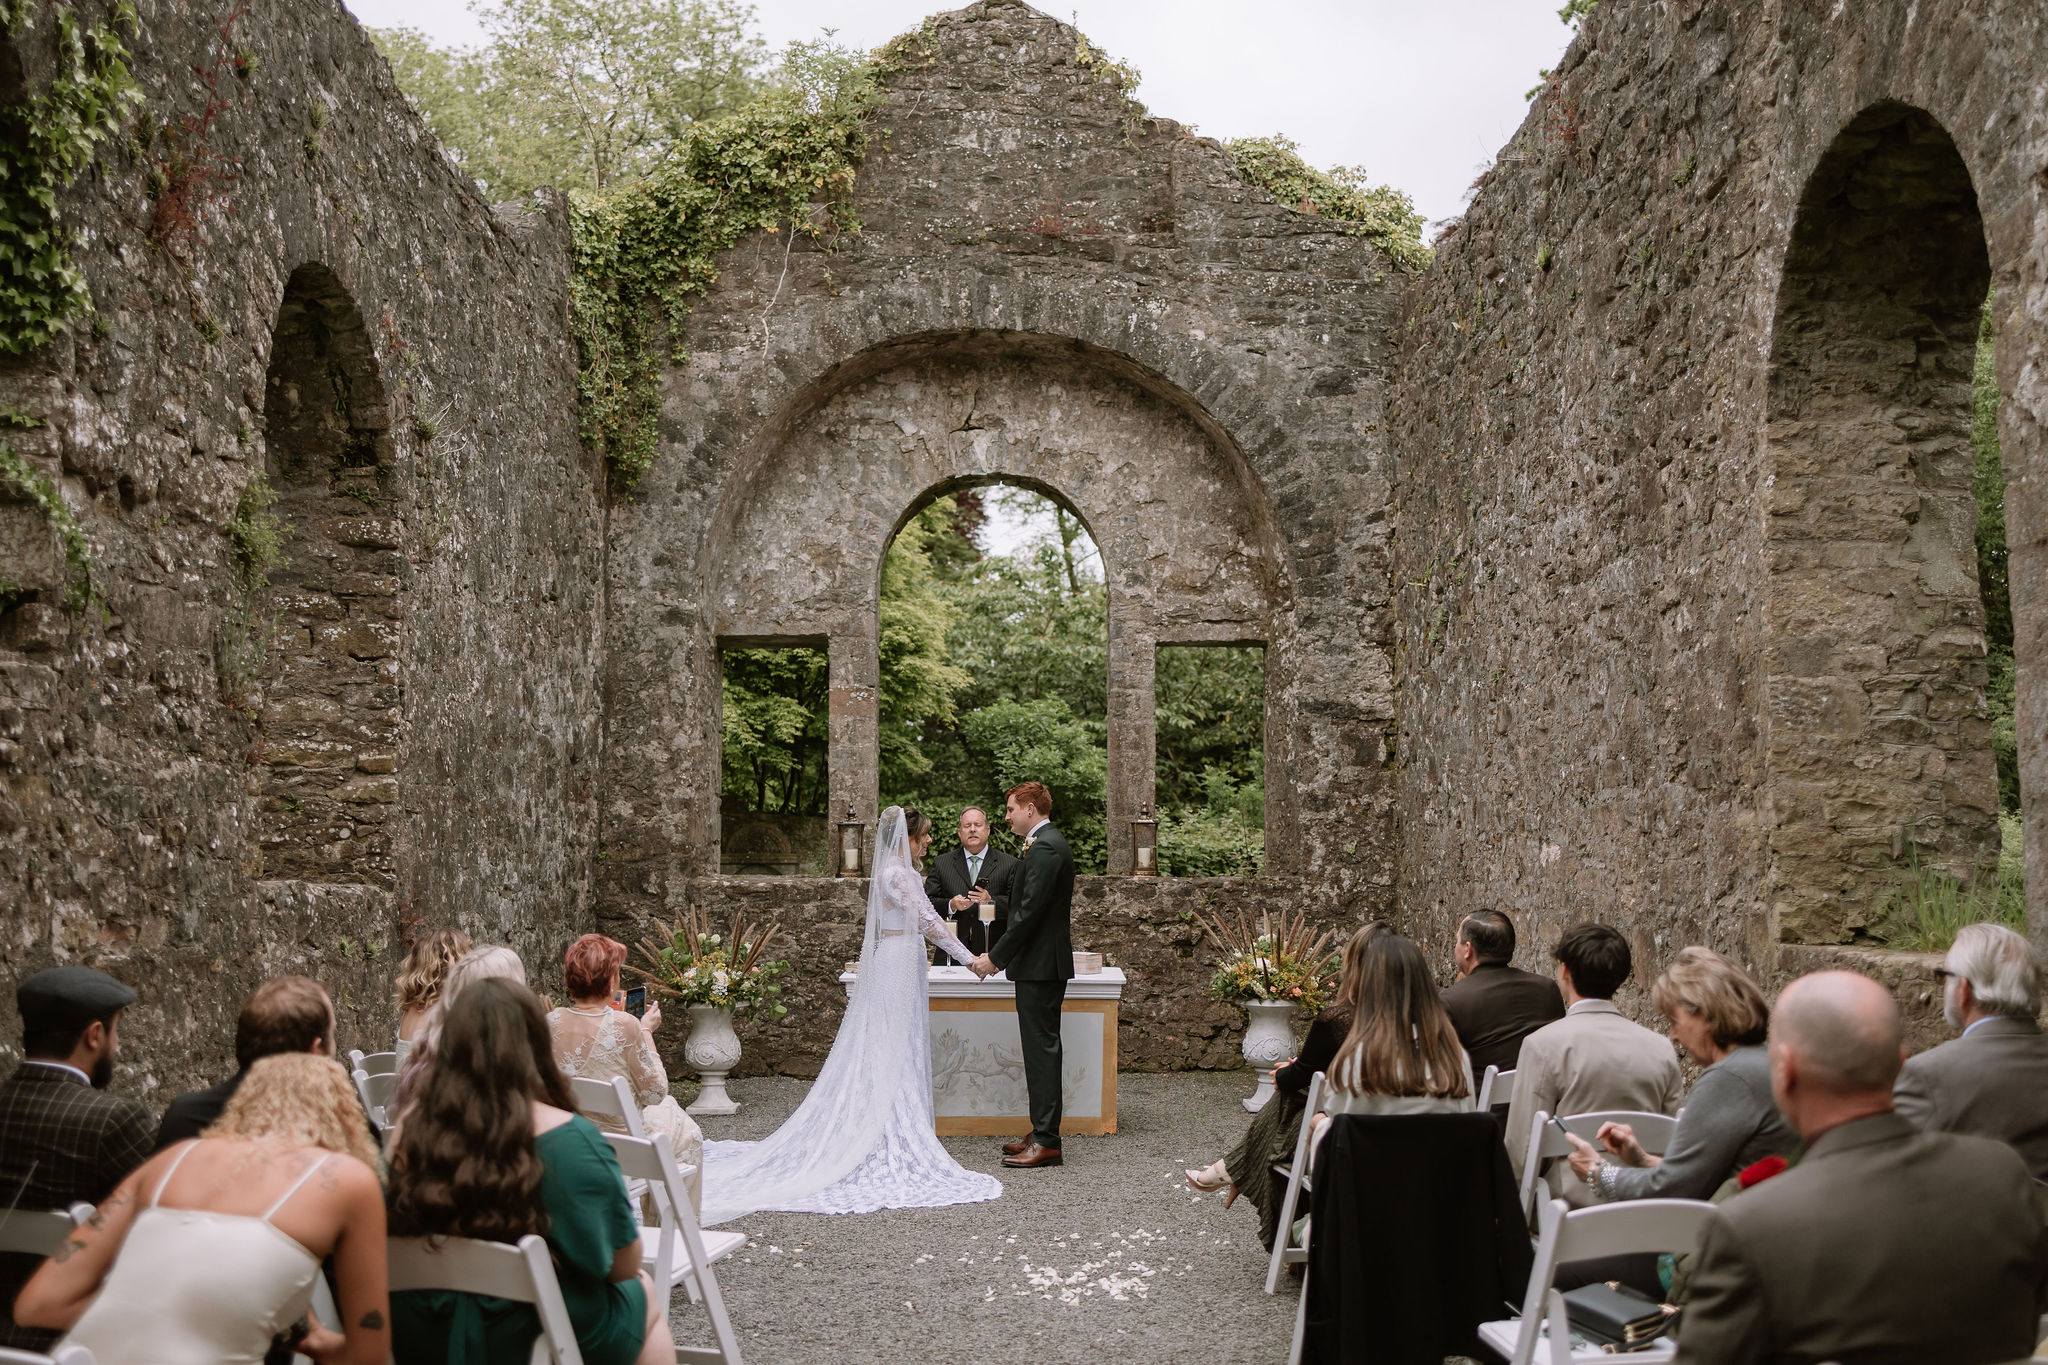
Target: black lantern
point(1145, 843)
point(850, 842)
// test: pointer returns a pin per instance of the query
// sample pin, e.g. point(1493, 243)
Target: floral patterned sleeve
point(644, 1070)
point(908, 892)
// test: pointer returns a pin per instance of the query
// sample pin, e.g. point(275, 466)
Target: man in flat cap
point(63, 1138)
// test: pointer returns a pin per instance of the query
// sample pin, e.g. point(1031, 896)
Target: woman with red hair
point(597, 1041)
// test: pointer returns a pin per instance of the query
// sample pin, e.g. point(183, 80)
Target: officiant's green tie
point(973, 868)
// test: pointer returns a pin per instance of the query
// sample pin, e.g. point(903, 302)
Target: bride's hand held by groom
point(982, 967)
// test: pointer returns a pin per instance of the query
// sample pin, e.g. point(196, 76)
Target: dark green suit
point(1037, 952)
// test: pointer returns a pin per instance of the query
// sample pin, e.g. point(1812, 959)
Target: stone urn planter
point(712, 1051)
point(1268, 1041)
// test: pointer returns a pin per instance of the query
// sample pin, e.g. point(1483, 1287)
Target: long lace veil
point(846, 1113)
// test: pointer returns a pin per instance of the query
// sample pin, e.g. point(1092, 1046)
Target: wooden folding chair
point(374, 1063)
point(679, 1251)
point(521, 1273)
point(376, 1090)
point(39, 1232)
point(1568, 1234)
point(1295, 1173)
point(1653, 1133)
point(1495, 1082)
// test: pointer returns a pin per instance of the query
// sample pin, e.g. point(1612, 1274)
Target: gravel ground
point(1108, 1258)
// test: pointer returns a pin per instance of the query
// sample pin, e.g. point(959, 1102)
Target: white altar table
point(978, 1062)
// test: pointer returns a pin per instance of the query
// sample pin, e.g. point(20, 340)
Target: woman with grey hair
point(1993, 1080)
point(1730, 1121)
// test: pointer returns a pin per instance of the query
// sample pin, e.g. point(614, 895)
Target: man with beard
point(63, 1138)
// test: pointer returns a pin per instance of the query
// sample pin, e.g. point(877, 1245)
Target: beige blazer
point(1593, 1058)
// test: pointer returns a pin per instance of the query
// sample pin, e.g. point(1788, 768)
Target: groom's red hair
point(1032, 794)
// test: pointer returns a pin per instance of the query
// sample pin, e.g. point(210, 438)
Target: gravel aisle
point(1108, 1258)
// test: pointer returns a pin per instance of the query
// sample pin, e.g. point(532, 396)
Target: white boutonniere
point(1029, 840)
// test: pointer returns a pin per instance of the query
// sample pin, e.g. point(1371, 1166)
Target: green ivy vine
point(45, 141)
point(31, 484)
point(1379, 213)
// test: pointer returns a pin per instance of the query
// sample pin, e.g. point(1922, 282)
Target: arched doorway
point(1879, 741)
point(332, 691)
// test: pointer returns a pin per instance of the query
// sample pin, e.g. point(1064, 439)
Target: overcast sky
point(1421, 93)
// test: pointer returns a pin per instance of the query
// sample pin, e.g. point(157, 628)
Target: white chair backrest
point(1283, 1240)
point(375, 1063)
point(1653, 1132)
point(1495, 1084)
point(1624, 1229)
point(611, 1098)
point(60, 1354)
point(38, 1232)
point(652, 1160)
point(521, 1273)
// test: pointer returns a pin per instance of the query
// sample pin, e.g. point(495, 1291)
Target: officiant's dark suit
point(952, 875)
point(1037, 953)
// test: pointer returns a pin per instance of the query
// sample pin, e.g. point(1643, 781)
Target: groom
point(1038, 953)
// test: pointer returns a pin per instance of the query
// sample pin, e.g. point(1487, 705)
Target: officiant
point(965, 878)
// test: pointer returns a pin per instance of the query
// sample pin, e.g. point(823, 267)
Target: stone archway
point(332, 691)
point(1878, 741)
point(1189, 553)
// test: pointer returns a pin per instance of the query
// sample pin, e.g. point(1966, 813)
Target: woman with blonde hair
point(1248, 1170)
point(1718, 1014)
point(425, 972)
point(492, 961)
point(207, 1252)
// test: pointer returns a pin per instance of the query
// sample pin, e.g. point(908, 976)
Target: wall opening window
point(994, 664)
point(1210, 759)
point(773, 810)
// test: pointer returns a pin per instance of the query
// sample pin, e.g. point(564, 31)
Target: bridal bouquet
point(693, 966)
point(1284, 959)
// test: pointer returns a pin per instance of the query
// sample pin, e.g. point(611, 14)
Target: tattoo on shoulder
point(72, 1246)
point(372, 1321)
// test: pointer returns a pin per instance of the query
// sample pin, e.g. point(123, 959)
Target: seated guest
point(1992, 1081)
point(493, 1148)
point(1402, 1055)
point(419, 984)
point(208, 1253)
point(63, 1138)
point(1495, 1006)
point(1884, 1243)
point(1248, 1170)
point(1594, 1058)
point(965, 878)
point(289, 1014)
point(1719, 1017)
point(595, 1041)
point(491, 962)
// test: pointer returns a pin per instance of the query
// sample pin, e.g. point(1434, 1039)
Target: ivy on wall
point(25, 481)
point(45, 141)
point(1379, 213)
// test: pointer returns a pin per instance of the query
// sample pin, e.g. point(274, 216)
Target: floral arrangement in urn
point(693, 966)
point(1283, 961)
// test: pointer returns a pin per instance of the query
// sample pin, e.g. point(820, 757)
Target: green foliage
point(1384, 215)
point(31, 484)
point(45, 141)
point(1927, 906)
point(690, 965)
point(1043, 741)
point(1994, 565)
point(1575, 12)
point(918, 683)
point(1210, 708)
point(1279, 957)
point(256, 539)
point(256, 533)
point(1205, 843)
point(774, 730)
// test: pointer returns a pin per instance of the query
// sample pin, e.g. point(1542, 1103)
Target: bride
point(863, 1139)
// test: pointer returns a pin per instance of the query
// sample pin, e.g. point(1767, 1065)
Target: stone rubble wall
point(455, 607)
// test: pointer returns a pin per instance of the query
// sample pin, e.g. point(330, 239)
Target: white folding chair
point(376, 1091)
point(1653, 1134)
point(678, 1250)
point(612, 1099)
point(375, 1063)
point(1296, 1174)
point(521, 1273)
point(39, 1232)
point(1568, 1234)
point(60, 1354)
point(1494, 1082)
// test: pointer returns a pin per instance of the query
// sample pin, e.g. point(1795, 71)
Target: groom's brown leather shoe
point(1012, 1148)
point(1034, 1155)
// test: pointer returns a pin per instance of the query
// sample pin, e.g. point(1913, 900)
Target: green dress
point(588, 1221)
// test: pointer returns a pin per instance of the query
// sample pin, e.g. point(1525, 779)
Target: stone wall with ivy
point(1052, 285)
point(1688, 621)
point(299, 590)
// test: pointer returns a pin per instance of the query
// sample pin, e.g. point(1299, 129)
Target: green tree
point(775, 729)
point(1043, 741)
point(918, 684)
point(1993, 566)
point(1210, 710)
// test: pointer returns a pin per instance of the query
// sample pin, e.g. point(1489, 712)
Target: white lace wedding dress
point(862, 1139)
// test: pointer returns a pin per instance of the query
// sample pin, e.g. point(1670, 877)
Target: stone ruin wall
point(1051, 286)
point(1688, 631)
point(418, 745)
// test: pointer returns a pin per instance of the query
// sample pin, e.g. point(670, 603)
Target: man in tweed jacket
point(63, 1138)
